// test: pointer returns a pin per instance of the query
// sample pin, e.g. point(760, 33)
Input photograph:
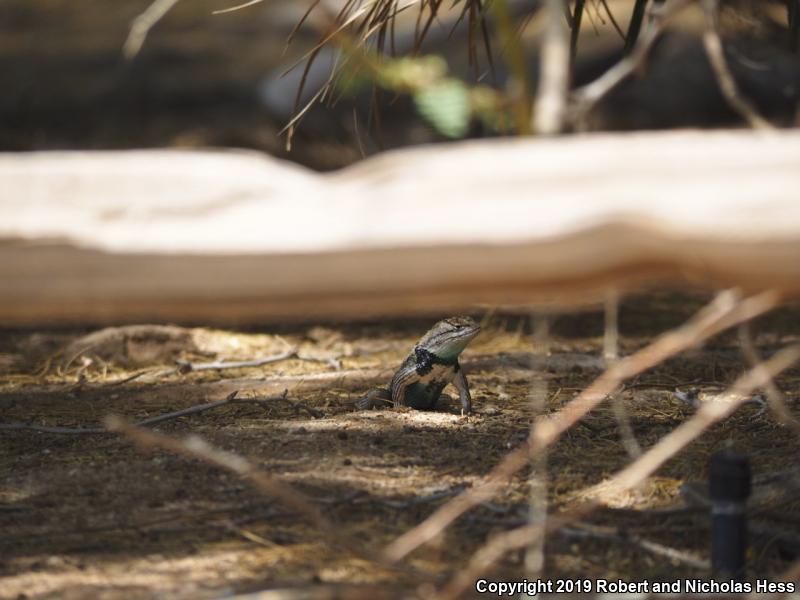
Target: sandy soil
point(92, 516)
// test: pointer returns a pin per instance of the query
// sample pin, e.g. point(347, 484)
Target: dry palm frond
point(368, 26)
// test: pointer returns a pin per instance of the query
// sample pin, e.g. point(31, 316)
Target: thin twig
point(296, 405)
point(585, 98)
point(195, 447)
point(489, 554)
point(611, 355)
point(775, 398)
point(496, 548)
point(130, 378)
point(418, 500)
point(142, 25)
point(671, 385)
point(183, 367)
point(192, 410)
point(190, 367)
point(723, 312)
point(629, 441)
point(251, 510)
point(611, 18)
point(611, 331)
point(100, 430)
point(223, 11)
point(709, 413)
point(246, 534)
point(725, 80)
point(624, 537)
point(537, 480)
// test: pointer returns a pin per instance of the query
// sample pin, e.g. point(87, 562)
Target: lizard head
point(450, 336)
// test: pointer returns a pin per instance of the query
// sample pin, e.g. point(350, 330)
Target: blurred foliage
point(450, 105)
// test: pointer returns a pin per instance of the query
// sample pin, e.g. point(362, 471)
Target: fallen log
point(232, 236)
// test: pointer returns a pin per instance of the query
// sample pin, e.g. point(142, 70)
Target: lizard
point(426, 371)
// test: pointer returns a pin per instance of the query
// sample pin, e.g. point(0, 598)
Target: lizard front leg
point(460, 381)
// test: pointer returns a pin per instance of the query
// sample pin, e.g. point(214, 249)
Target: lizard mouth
point(463, 326)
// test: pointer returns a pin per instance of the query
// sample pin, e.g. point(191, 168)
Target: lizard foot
point(448, 401)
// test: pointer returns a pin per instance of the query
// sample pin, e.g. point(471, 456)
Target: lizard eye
point(459, 323)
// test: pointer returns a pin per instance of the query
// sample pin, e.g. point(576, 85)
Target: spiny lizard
point(433, 363)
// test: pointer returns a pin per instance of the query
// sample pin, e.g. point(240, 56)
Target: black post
point(729, 483)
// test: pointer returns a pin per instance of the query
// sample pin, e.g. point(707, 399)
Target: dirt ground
point(91, 516)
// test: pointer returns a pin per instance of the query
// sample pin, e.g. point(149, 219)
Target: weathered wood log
point(182, 236)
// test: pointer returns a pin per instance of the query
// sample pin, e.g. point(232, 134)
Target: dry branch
point(775, 398)
point(710, 413)
point(627, 434)
point(585, 98)
point(725, 311)
point(197, 448)
point(185, 366)
point(521, 227)
point(192, 410)
point(142, 25)
point(488, 555)
point(223, 11)
point(624, 537)
point(727, 84)
point(539, 476)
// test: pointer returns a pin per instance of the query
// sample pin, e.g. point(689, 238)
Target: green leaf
point(411, 73)
point(446, 106)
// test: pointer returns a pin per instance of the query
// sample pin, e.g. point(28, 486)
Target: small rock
point(55, 561)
